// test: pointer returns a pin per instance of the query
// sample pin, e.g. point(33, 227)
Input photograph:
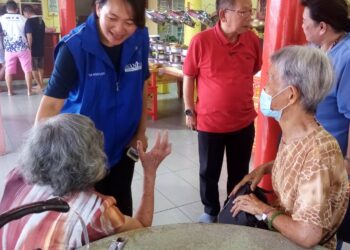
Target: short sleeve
point(106, 220)
point(28, 27)
point(64, 75)
point(192, 60)
point(344, 90)
point(145, 53)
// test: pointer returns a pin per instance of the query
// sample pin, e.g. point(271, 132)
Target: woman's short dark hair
point(332, 12)
point(11, 5)
point(138, 8)
point(64, 152)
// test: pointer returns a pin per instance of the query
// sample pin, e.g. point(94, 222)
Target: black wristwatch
point(189, 112)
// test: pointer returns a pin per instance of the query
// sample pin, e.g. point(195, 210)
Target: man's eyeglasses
point(244, 13)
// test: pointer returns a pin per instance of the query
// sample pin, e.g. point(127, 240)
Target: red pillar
point(282, 27)
point(67, 15)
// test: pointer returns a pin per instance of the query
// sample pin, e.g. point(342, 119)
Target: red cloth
point(224, 73)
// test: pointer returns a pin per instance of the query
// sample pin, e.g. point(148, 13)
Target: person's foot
point(10, 93)
point(29, 93)
point(37, 90)
point(207, 218)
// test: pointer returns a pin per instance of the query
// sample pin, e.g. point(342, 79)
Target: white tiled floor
point(177, 189)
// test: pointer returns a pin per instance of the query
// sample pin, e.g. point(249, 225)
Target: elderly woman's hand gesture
point(253, 177)
point(150, 160)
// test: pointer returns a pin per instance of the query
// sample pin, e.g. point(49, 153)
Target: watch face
point(188, 112)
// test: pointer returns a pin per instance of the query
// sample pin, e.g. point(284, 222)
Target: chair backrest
point(55, 204)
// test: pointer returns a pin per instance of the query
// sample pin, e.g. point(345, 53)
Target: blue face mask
point(265, 105)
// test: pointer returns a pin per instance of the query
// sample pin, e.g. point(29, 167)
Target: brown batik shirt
point(311, 182)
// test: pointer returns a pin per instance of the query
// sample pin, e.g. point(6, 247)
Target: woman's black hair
point(11, 5)
point(138, 7)
point(332, 12)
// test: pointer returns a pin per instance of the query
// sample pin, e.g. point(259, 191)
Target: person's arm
point(29, 40)
point(150, 162)
point(304, 234)
point(188, 92)
point(254, 177)
point(141, 130)
point(48, 107)
point(28, 31)
point(258, 62)
point(306, 223)
point(191, 71)
point(62, 81)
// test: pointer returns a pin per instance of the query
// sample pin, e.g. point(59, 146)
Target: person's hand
point(139, 137)
point(253, 177)
point(191, 121)
point(151, 160)
point(248, 203)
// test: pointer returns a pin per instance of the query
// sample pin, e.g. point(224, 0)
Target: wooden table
point(176, 73)
point(201, 236)
point(152, 107)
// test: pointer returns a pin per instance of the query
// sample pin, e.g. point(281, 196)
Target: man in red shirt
point(222, 61)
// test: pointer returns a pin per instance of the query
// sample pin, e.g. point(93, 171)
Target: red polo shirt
point(224, 72)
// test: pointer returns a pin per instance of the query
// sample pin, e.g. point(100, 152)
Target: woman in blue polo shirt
point(100, 69)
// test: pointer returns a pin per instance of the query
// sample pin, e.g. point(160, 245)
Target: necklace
point(337, 40)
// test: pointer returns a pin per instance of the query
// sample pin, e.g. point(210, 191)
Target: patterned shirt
point(54, 230)
point(311, 183)
point(12, 27)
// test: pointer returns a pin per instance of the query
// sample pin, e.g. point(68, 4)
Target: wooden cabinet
point(51, 40)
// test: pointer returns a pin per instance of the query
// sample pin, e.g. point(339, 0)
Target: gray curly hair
point(64, 152)
point(308, 69)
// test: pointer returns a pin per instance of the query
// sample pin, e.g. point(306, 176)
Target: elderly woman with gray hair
point(63, 156)
point(308, 174)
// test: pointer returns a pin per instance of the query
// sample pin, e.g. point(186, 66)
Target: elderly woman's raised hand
point(150, 160)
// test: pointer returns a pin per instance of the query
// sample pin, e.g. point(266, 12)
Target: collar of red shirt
point(221, 36)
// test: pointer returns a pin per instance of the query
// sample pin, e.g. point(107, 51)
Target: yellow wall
point(50, 19)
point(189, 32)
point(208, 6)
point(152, 26)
